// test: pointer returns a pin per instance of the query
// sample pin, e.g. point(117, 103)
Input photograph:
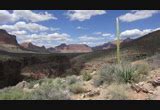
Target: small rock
point(141, 83)
point(148, 86)
point(139, 88)
point(83, 96)
point(22, 84)
point(155, 82)
point(36, 86)
point(79, 77)
point(93, 73)
point(135, 87)
point(156, 95)
point(93, 93)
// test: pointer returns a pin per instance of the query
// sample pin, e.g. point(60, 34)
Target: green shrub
point(49, 93)
point(13, 94)
point(105, 75)
point(51, 90)
point(123, 72)
point(154, 61)
point(86, 76)
point(117, 92)
point(71, 79)
point(97, 81)
point(76, 88)
point(142, 68)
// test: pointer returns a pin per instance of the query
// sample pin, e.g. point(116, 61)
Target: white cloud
point(137, 15)
point(54, 29)
point(32, 16)
point(28, 15)
point(92, 44)
point(103, 34)
point(90, 38)
point(135, 33)
point(32, 27)
point(81, 28)
point(43, 37)
point(5, 17)
point(18, 32)
point(101, 38)
point(82, 15)
point(98, 33)
point(88, 43)
point(106, 34)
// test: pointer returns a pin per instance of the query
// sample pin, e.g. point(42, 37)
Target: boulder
point(155, 82)
point(22, 84)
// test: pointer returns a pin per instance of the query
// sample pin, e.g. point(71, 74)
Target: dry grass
point(142, 67)
point(117, 92)
point(86, 76)
point(122, 73)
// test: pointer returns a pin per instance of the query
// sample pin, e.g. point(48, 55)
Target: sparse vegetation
point(142, 67)
point(97, 81)
point(13, 94)
point(51, 89)
point(117, 92)
point(4, 57)
point(76, 88)
point(43, 75)
point(71, 79)
point(48, 92)
point(154, 61)
point(106, 74)
point(86, 76)
point(124, 73)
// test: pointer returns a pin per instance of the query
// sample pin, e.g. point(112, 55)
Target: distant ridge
point(31, 47)
point(111, 45)
point(6, 38)
point(71, 48)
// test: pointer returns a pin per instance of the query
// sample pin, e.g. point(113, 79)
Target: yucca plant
point(118, 40)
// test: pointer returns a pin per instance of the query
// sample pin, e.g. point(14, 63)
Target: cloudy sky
point(92, 27)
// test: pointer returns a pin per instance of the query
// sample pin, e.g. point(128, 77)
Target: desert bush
point(71, 79)
point(106, 74)
point(117, 92)
point(142, 68)
point(76, 88)
point(154, 61)
point(86, 76)
point(13, 94)
point(51, 90)
point(50, 93)
point(123, 73)
point(97, 81)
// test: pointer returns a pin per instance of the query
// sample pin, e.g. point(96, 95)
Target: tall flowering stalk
point(118, 40)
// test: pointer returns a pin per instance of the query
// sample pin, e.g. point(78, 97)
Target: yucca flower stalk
point(118, 40)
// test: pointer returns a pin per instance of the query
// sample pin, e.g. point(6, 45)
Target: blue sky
point(92, 27)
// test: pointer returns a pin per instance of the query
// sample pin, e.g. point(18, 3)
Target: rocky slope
point(9, 43)
point(6, 38)
point(148, 43)
point(71, 48)
point(108, 45)
point(111, 45)
point(31, 47)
